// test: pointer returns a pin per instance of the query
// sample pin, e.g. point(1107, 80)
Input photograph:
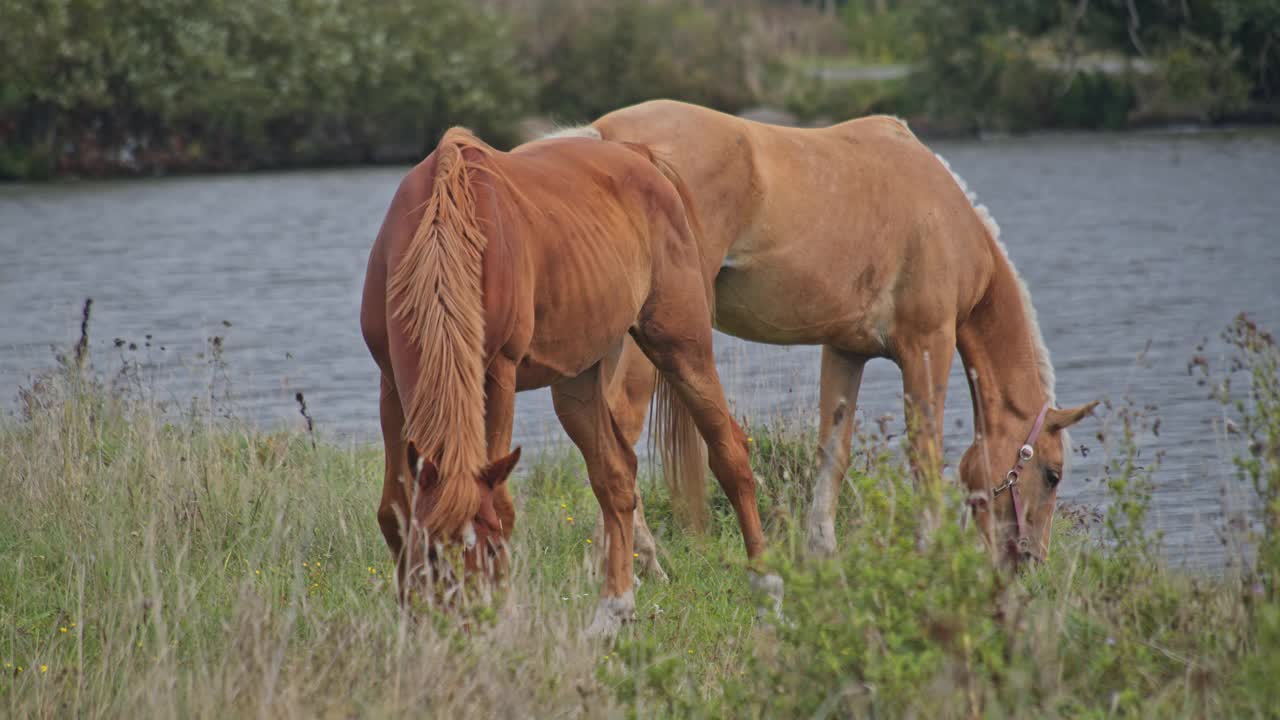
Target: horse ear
point(414, 459)
point(1058, 419)
point(499, 470)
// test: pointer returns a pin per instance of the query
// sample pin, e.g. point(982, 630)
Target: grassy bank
point(161, 563)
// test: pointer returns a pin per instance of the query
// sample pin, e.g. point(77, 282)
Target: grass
point(160, 563)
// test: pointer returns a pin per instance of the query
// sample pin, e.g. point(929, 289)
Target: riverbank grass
point(164, 564)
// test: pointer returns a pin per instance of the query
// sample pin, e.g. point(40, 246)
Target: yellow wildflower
point(44, 668)
point(588, 541)
point(62, 629)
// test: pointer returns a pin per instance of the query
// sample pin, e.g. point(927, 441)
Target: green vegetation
point(96, 87)
point(177, 84)
point(617, 54)
point(155, 562)
point(1014, 65)
point(89, 87)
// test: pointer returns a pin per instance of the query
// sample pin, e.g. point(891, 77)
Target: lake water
point(1136, 248)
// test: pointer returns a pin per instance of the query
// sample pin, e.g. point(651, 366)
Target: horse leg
point(630, 387)
point(926, 364)
point(582, 406)
point(631, 384)
point(499, 417)
point(645, 547)
point(675, 333)
point(841, 378)
point(393, 509)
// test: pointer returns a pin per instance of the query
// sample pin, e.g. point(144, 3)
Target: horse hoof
point(771, 587)
point(822, 539)
point(611, 615)
point(656, 572)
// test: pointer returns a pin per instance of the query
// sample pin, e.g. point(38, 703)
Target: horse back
point(592, 221)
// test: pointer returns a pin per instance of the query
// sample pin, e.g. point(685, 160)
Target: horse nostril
point(1021, 554)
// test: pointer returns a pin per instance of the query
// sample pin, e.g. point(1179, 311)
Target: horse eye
point(1053, 477)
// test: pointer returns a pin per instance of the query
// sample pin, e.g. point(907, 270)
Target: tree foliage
point(234, 83)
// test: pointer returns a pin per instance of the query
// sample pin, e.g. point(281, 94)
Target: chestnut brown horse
point(856, 237)
point(499, 272)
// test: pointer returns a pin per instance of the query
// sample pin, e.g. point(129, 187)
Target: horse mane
point(1044, 366)
point(573, 131)
point(437, 293)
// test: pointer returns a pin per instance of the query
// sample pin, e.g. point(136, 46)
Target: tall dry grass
point(155, 566)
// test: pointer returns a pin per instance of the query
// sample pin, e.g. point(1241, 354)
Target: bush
point(1095, 100)
point(1198, 76)
point(601, 56)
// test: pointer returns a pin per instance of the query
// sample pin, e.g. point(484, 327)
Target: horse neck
point(999, 345)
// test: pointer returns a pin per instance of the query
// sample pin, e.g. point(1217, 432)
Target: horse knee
point(733, 459)
point(616, 493)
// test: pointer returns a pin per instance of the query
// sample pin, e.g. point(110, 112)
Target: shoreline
point(396, 154)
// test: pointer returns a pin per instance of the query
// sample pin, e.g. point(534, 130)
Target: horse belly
point(577, 335)
point(784, 306)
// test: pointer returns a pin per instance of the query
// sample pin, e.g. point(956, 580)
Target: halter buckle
point(1009, 480)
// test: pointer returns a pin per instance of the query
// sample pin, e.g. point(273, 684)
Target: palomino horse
point(500, 272)
point(856, 237)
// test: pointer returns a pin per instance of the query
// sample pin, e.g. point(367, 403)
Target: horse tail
point(683, 456)
point(435, 297)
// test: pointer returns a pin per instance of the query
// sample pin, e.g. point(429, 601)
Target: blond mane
point(437, 293)
point(582, 131)
point(1043, 365)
